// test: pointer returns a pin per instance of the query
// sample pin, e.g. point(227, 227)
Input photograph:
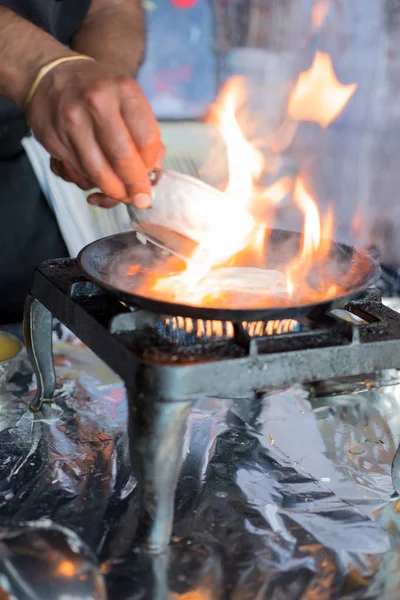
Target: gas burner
point(168, 362)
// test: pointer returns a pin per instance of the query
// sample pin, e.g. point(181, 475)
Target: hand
point(100, 130)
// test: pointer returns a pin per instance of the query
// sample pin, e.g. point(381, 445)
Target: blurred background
point(194, 46)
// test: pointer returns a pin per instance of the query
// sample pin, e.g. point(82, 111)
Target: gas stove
point(169, 362)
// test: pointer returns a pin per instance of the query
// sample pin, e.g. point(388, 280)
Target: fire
point(67, 568)
point(356, 223)
point(133, 270)
point(194, 595)
point(316, 243)
point(320, 11)
point(227, 237)
point(210, 330)
point(237, 239)
point(318, 95)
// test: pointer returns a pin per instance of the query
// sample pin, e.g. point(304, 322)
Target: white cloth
point(79, 222)
point(188, 147)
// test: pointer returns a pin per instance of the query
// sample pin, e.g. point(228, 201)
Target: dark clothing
point(29, 233)
point(60, 18)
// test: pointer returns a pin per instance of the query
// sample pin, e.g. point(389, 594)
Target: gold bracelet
point(49, 67)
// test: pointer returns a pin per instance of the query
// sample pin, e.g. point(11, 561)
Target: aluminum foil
point(285, 496)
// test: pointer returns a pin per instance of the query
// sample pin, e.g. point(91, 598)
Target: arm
point(90, 116)
point(113, 33)
point(20, 62)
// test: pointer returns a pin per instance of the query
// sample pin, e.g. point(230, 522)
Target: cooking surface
point(280, 494)
point(122, 264)
point(279, 497)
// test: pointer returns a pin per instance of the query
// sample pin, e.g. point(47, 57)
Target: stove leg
point(396, 471)
point(156, 435)
point(38, 334)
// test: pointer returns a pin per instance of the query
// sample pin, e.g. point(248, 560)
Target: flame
point(318, 95)
point(320, 11)
point(245, 164)
point(67, 568)
point(225, 329)
point(237, 229)
point(194, 595)
point(356, 223)
point(237, 237)
point(276, 192)
point(133, 269)
point(315, 246)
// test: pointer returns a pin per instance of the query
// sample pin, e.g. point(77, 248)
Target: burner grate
point(168, 363)
point(180, 330)
point(184, 358)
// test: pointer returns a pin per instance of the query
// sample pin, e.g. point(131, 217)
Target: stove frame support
point(161, 395)
point(156, 433)
point(38, 337)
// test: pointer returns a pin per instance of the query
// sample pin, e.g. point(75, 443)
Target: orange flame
point(237, 229)
point(318, 95)
point(133, 270)
point(219, 329)
point(67, 568)
point(356, 223)
point(315, 245)
point(194, 595)
point(236, 240)
point(320, 11)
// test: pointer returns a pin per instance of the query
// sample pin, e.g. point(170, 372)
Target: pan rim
point(228, 314)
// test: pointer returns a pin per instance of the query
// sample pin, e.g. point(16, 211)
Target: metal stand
point(163, 386)
point(156, 434)
point(396, 471)
point(38, 336)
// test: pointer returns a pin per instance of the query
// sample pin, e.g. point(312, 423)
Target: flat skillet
point(107, 262)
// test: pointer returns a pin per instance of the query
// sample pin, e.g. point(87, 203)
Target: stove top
point(167, 363)
point(182, 359)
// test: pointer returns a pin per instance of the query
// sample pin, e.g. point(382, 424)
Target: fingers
point(142, 125)
point(120, 151)
point(102, 200)
point(69, 174)
point(91, 157)
point(56, 167)
point(62, 170)
point(102, 132)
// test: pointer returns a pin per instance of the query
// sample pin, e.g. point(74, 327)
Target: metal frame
point(161, 393)
point(353, 271)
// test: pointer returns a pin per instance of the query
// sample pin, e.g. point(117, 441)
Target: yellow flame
point(312, 225)
point(67, 568)
point(225, 329)
point(235, 238)
point(316, 241)
point(194, 595)
point(276, 192)
point(231, 233)
point(318, 95)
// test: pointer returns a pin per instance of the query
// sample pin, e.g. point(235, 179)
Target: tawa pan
point(106, 263)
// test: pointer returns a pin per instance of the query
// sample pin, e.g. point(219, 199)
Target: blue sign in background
point(179, 75)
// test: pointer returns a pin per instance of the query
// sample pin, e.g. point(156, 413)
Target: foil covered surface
point(285, 496)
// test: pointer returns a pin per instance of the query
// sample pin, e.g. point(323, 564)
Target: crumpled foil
point(285, 496)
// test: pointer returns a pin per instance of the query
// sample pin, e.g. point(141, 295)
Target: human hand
point(100, 131)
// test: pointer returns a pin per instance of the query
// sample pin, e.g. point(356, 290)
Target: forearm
point(24, 49)
point(113, 33)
